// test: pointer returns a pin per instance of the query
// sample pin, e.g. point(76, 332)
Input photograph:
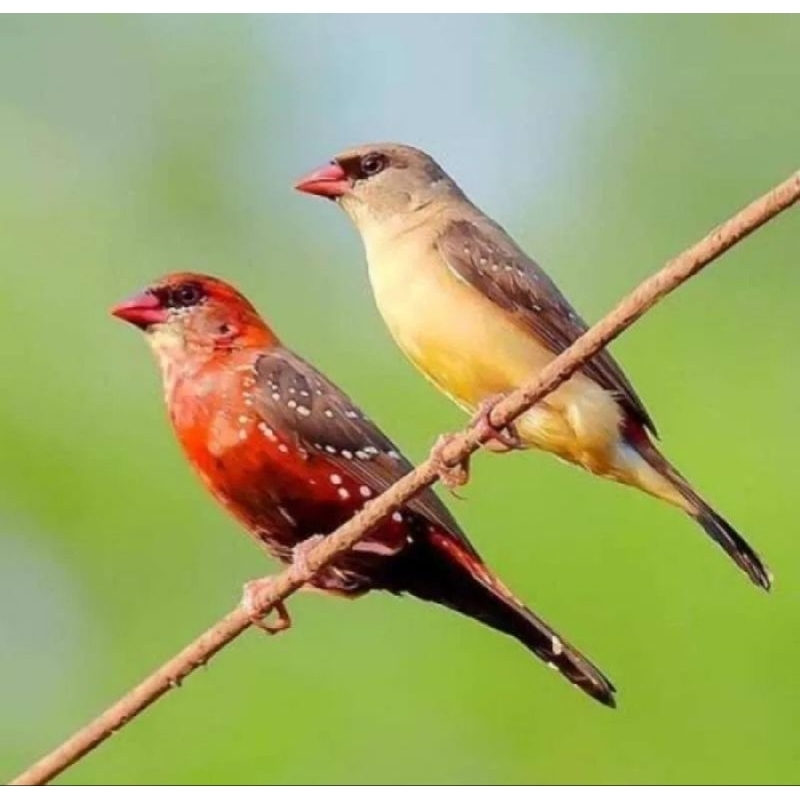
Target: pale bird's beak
point(141, 310)
point(328, 181)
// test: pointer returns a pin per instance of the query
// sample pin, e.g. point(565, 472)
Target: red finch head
point(186, 316)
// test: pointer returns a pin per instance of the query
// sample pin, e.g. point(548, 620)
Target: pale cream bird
point(479, 318)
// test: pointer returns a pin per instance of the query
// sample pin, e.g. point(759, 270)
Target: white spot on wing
point(267, 431)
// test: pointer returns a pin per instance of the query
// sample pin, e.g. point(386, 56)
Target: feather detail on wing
point(486, 258)
point(294, 396)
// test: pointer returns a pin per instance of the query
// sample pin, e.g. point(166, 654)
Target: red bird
point(292, 458)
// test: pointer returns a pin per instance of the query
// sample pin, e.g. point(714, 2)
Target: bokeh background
point(133, 146)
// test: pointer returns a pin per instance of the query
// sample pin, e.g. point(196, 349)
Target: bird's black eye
point(186, 295)
point(372, 164)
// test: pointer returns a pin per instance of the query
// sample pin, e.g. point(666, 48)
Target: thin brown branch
point(637, 303)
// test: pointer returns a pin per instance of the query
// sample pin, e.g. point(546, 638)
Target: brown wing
point(486, 258)
point(330, 426)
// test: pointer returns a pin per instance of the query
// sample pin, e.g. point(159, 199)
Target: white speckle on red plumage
point(267, 431)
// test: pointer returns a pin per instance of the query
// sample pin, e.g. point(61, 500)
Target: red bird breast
point(284, 489)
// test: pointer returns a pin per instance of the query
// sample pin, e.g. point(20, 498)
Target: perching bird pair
point(293, 458)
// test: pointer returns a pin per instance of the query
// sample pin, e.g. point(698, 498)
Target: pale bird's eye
point(373, 163)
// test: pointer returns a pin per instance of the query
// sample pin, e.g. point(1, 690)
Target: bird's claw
point(498, 440)
point(452, 475)
point(253, 597)
point(255, 593)
point(300, 552)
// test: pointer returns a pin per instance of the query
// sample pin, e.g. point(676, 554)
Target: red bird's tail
point(719, 529)
point(439, 570)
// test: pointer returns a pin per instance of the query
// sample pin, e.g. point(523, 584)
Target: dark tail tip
point(735, 546)
point(586, 677)
point(603, 694)
point(608, 700)
point(563, 657)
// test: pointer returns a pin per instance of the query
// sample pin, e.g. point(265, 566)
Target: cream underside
point(473, 350)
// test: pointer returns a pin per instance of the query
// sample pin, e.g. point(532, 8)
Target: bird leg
point(452, 475)
point(253, 596)
point(499, 440)
point(299, 561)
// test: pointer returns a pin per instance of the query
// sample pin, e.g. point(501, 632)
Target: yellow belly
point(472, 350)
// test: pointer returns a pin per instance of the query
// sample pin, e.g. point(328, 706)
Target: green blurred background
point(132, 146)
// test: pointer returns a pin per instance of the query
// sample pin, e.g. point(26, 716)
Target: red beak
point(141, 310)
point(328, 181)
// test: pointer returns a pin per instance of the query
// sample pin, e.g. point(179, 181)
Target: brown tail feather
point(721, 531)
point(442, 572)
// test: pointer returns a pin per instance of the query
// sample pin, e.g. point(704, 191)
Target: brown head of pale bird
point(381, 184)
